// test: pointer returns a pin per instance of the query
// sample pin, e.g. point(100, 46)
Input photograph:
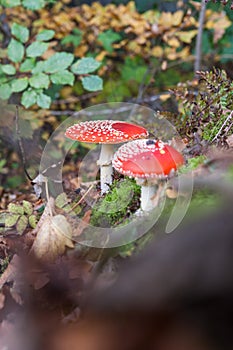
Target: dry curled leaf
point(52, 238)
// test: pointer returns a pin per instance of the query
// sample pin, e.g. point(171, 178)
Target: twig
point(81, 199)
point(198, 49)
point(225, 122)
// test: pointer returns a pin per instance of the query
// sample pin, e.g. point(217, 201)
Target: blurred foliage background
point(114, 51)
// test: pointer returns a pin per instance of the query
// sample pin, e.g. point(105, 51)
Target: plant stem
point(105, 163)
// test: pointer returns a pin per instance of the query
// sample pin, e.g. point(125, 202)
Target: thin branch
point(224, 124)
point(198, 49)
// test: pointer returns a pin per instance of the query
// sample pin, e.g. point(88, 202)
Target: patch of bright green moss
point(116, 206)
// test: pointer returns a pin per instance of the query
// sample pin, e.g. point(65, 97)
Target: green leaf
point(32, 221)
point(11, 219)
point(22, 224)
point(15, 209)
point(39, 67)
point(74, 39)
point(10, 3)
point(29, 98)
point(5, 91)
point(18, 85)
point(39, 81)
point(45, 35)
point(27, 65)
point(8, 69)
point(20, 32)
point(63, 77)
point(28, 208)
point(108, 38)
point(36, 49)
point(92, 83)
point(59, 61)
point(34, 4)
point(43, 101)
point(15, 51)
point(85, 66)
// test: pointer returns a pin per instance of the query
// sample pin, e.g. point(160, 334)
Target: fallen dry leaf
point(10, 273)
point(52, 238)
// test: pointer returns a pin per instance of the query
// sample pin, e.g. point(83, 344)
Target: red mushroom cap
point(146, 159)
point(105, 131)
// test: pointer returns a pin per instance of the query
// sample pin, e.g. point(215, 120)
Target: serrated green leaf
point(5, 91)
point(22, 224)
point(36, 49)
point(10, 3)
point(15, 51)
point(43, 101)
point(15, 209)
point(27, 65)
point(39, 81)
point(39, 68)
point(11, 219)
point(108, 38)
point(32, 221)
point(33, 4)
point(63, 77)
point(18, 85)
point(8, 69)
point(27, 207)
point(59, 61)
point(29, 98)
point(85, 65)
point(20, 32)
point(61, 200)
point(92, 83)
point(45, 35)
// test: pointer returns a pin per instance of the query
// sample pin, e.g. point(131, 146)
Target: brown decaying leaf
point(83, 224)
point(10, 273)
point(52, 238)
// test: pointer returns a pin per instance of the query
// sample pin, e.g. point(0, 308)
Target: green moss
point(117, 205)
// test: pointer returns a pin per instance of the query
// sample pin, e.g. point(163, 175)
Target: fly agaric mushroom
point(148, 161)
point(107, 133)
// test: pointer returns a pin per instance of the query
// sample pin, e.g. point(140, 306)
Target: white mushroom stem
point(105, 163)
point(150, 194)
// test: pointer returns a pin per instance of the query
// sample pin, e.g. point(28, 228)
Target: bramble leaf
point(8, 69)
point(15, 51)
point(59, 61)
point(39, 81)
point(5, 91)
point(45, 35)
point(27, 65)
point(63, 77)
point(29, 98)
point(85, 65)
point(43, 100)
point(92, 83)
point(20, 32)
point(36, 49)
point(18, 85)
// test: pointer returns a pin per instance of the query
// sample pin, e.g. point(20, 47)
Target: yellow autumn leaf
point(187, 37)
point(165, 20)
point(54, 235)
point(174, 42)
point(157, 51)
point(177, 18)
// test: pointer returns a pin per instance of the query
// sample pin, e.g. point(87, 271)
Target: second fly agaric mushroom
point(147, 161)
point(107, 133)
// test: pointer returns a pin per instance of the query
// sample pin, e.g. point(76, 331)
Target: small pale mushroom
point(148, 161)
point(107, 133)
